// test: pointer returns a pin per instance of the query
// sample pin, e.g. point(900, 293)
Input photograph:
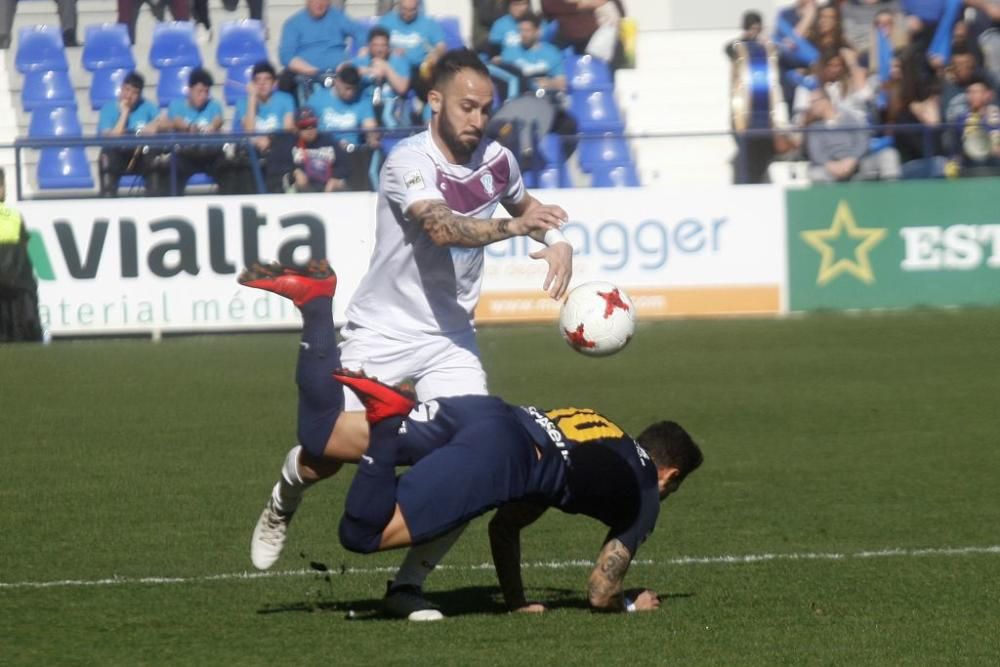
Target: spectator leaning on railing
point(980, 128)
point(130, 114)
point(307, 161)
point(313, 42)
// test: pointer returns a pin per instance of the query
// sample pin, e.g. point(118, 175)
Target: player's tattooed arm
point(604, 589)
point(505, 544)
point(445, 227)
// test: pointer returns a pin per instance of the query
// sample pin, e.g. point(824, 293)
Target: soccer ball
point(597, 319)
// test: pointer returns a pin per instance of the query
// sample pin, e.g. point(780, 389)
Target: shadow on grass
point(466, 601)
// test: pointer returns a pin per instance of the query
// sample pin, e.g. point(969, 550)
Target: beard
point(458, 146)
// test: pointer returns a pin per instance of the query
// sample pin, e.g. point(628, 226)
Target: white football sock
point(421, 560)
point(287, 493)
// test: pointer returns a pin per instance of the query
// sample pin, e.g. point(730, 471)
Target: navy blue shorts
point(489, 460)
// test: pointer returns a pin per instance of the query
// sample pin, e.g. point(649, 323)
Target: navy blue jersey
point(608, 475)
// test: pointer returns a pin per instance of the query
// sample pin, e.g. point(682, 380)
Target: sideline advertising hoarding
point(894, 245)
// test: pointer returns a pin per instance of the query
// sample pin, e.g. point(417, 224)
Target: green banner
point(892, 245)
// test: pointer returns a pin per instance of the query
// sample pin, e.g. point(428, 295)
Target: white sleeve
point(410, 176)
point(515, 187)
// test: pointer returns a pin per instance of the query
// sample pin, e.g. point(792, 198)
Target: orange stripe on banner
point(650, 303)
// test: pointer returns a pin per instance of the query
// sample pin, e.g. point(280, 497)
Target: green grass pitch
point(848, 512)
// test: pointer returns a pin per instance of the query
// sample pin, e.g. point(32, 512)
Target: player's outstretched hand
point(647, 600)
point(560, 259)
point(532, 608)
point(539, 218)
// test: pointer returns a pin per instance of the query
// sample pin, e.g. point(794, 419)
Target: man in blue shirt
point(539, 62)
point(129, 114)
point(385, 76)
point(313, 41)
point(343, 111)
point(419, 37)
point(505, 32)
point(197, 114)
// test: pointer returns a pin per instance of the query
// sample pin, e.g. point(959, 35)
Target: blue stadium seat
point(615, 176)
point(130, 182)
point(55, 122)
point(235, 88)
point(241, 43)
point(47, 89)
point(174, 46)
point(452, 31)
point(105, 86)
point(596, 111)
point(587, 73)
point(550, 177)
point(551, 150)
point(62, 168)
point(200, 179)
point(40, 48)
point(609, 149)
point(173, 84)
point(107, 46)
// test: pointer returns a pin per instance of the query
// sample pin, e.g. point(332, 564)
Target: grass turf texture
point(828, 434)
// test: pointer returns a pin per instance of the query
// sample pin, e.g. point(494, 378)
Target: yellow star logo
point(843, 224)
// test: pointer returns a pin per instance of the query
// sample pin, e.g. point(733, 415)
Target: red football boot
point(299, 285)
point(380, 400)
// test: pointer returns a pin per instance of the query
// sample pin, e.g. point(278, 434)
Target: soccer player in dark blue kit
point(472, 454)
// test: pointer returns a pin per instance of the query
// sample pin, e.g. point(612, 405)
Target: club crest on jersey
point(413, 181)
point(487, 181)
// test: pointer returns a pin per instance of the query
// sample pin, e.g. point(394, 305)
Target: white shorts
point(438, 365)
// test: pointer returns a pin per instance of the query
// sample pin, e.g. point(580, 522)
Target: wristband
point(554, 236)
point(629, 605)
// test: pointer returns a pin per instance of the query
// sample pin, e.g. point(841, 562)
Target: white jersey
point(414, 287)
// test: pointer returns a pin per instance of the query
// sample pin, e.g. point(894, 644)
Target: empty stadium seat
point(62, 168)
point(452, 31)
point(105, 86)
point(609, 149)
point(174, 45)
point(241, 43)
point(55, 122)
point(173, 84)
point(551, 150)
point(596, 111)
point(587, 73)
point(615, 176)
point(235, 87)
point(47, 89)
point(40, 48)
point(550, 177)
point(107, 46)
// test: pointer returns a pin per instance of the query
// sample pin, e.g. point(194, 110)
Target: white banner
point(142, 265)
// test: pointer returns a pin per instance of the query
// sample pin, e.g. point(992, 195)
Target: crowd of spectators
point(879, 89)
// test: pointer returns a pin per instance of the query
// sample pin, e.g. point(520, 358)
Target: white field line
point(541, 565)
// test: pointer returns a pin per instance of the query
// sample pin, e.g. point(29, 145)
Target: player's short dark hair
point(453, 62)
point(200, 76)
point(378, 31)
point(531, 17)
point(263, 67)
point(670, 446)
point(135, 80)
point(752, 18)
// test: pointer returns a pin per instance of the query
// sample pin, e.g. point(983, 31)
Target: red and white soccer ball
point(597, 319)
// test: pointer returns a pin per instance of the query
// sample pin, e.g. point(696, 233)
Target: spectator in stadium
point(791, 27)
point(130, 114)
point(587, 26)
point(437, 194)
point(484, 14)
point(988, 14)
point(858, 17)
point(198, 114)
point(307, 161)
point(921, 152)
point(385, 76)
point(843, 154)
point(344, 111)
point(827, 32)
point(128, 12)
point(313, 43)
point(201, 16)
point(67, 21)
point(264, 110)
point(420, 39)
point(844, 80)
point(753, 26)
point(540, 63)
point(505, 31)
point(19, 319)
point(980, 142)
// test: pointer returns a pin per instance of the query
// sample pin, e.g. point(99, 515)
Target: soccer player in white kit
point(412, 315)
